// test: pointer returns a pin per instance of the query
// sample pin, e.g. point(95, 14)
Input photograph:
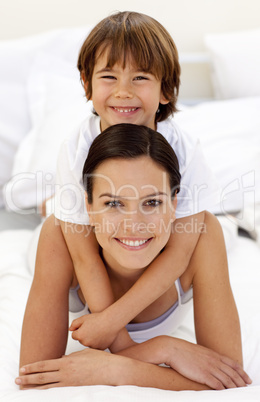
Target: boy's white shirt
point(199, 188)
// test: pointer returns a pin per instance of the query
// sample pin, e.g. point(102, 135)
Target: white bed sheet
point(15, 280)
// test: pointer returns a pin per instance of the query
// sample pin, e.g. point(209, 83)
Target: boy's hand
point(93, 330)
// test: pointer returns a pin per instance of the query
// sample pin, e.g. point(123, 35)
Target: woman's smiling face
point(132, 212)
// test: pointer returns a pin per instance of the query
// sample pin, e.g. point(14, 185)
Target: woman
point(131, 178)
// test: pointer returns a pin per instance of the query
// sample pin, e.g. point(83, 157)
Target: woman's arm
point(92, 367)
point(45, 324)
point(194, 362)
point(216, 318)
point(95, 367)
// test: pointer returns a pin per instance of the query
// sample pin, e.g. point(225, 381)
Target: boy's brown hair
point(146, 41)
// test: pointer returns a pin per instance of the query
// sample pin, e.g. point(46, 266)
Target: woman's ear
point(89, 210)
point(174, 206)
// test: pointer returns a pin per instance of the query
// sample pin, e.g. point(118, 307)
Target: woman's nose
point(133, 222)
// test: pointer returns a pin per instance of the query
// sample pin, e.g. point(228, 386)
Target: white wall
point(186, 20)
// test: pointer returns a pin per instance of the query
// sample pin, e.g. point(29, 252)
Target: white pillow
point(57, 105)
point(16, 59)
point(229, 134)
point(236, 63)
point(14, 120)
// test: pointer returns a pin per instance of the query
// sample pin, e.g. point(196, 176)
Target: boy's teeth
point(133, 243)
point(125, 110)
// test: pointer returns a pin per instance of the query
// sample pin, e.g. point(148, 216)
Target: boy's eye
point(140, 78)
point(109, 77)
point(152, 203)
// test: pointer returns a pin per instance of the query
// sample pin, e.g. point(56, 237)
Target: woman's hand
point(203, 365)
point(192, 361)
point(87, 367)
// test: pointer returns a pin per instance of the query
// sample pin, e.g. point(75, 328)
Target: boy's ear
point(163, 100)
point(85, 83)
point(89, 209)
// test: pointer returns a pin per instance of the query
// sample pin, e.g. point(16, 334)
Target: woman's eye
point(153, 203)
point(113, 204)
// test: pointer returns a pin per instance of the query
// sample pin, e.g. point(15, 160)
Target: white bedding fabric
point(231, 77)
point(15, 279)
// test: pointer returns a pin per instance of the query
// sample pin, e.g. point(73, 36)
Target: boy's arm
point(95, 286)
point(84, 252)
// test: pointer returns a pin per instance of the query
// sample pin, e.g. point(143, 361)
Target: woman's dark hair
point(130, 141)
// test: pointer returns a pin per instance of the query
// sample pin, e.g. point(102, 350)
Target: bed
point(41, 101)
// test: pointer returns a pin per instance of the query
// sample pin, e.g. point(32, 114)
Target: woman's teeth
point(133, 243)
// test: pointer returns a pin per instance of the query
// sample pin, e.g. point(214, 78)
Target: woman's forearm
point(192, 361)
point(134, 372)
point(152, 351)
point(95, 367)
point(196, 368)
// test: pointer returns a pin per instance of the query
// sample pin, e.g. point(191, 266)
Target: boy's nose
point(123, 90)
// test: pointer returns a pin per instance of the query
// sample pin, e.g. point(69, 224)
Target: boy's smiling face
point(125, 95)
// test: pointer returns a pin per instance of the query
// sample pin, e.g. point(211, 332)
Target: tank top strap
point(177, 285)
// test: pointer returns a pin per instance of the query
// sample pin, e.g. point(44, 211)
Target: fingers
point(51, 385)
point(39, 373)
point(220, 380)
point(237, 369)
point(40, 367)
point(38, 379)
point(227, 380)
point(212, 382)
point(75, 324)
point(77, 328)
point(227, 374)
point(76, 335)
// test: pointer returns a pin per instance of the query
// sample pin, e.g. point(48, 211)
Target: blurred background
point(187, 21)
